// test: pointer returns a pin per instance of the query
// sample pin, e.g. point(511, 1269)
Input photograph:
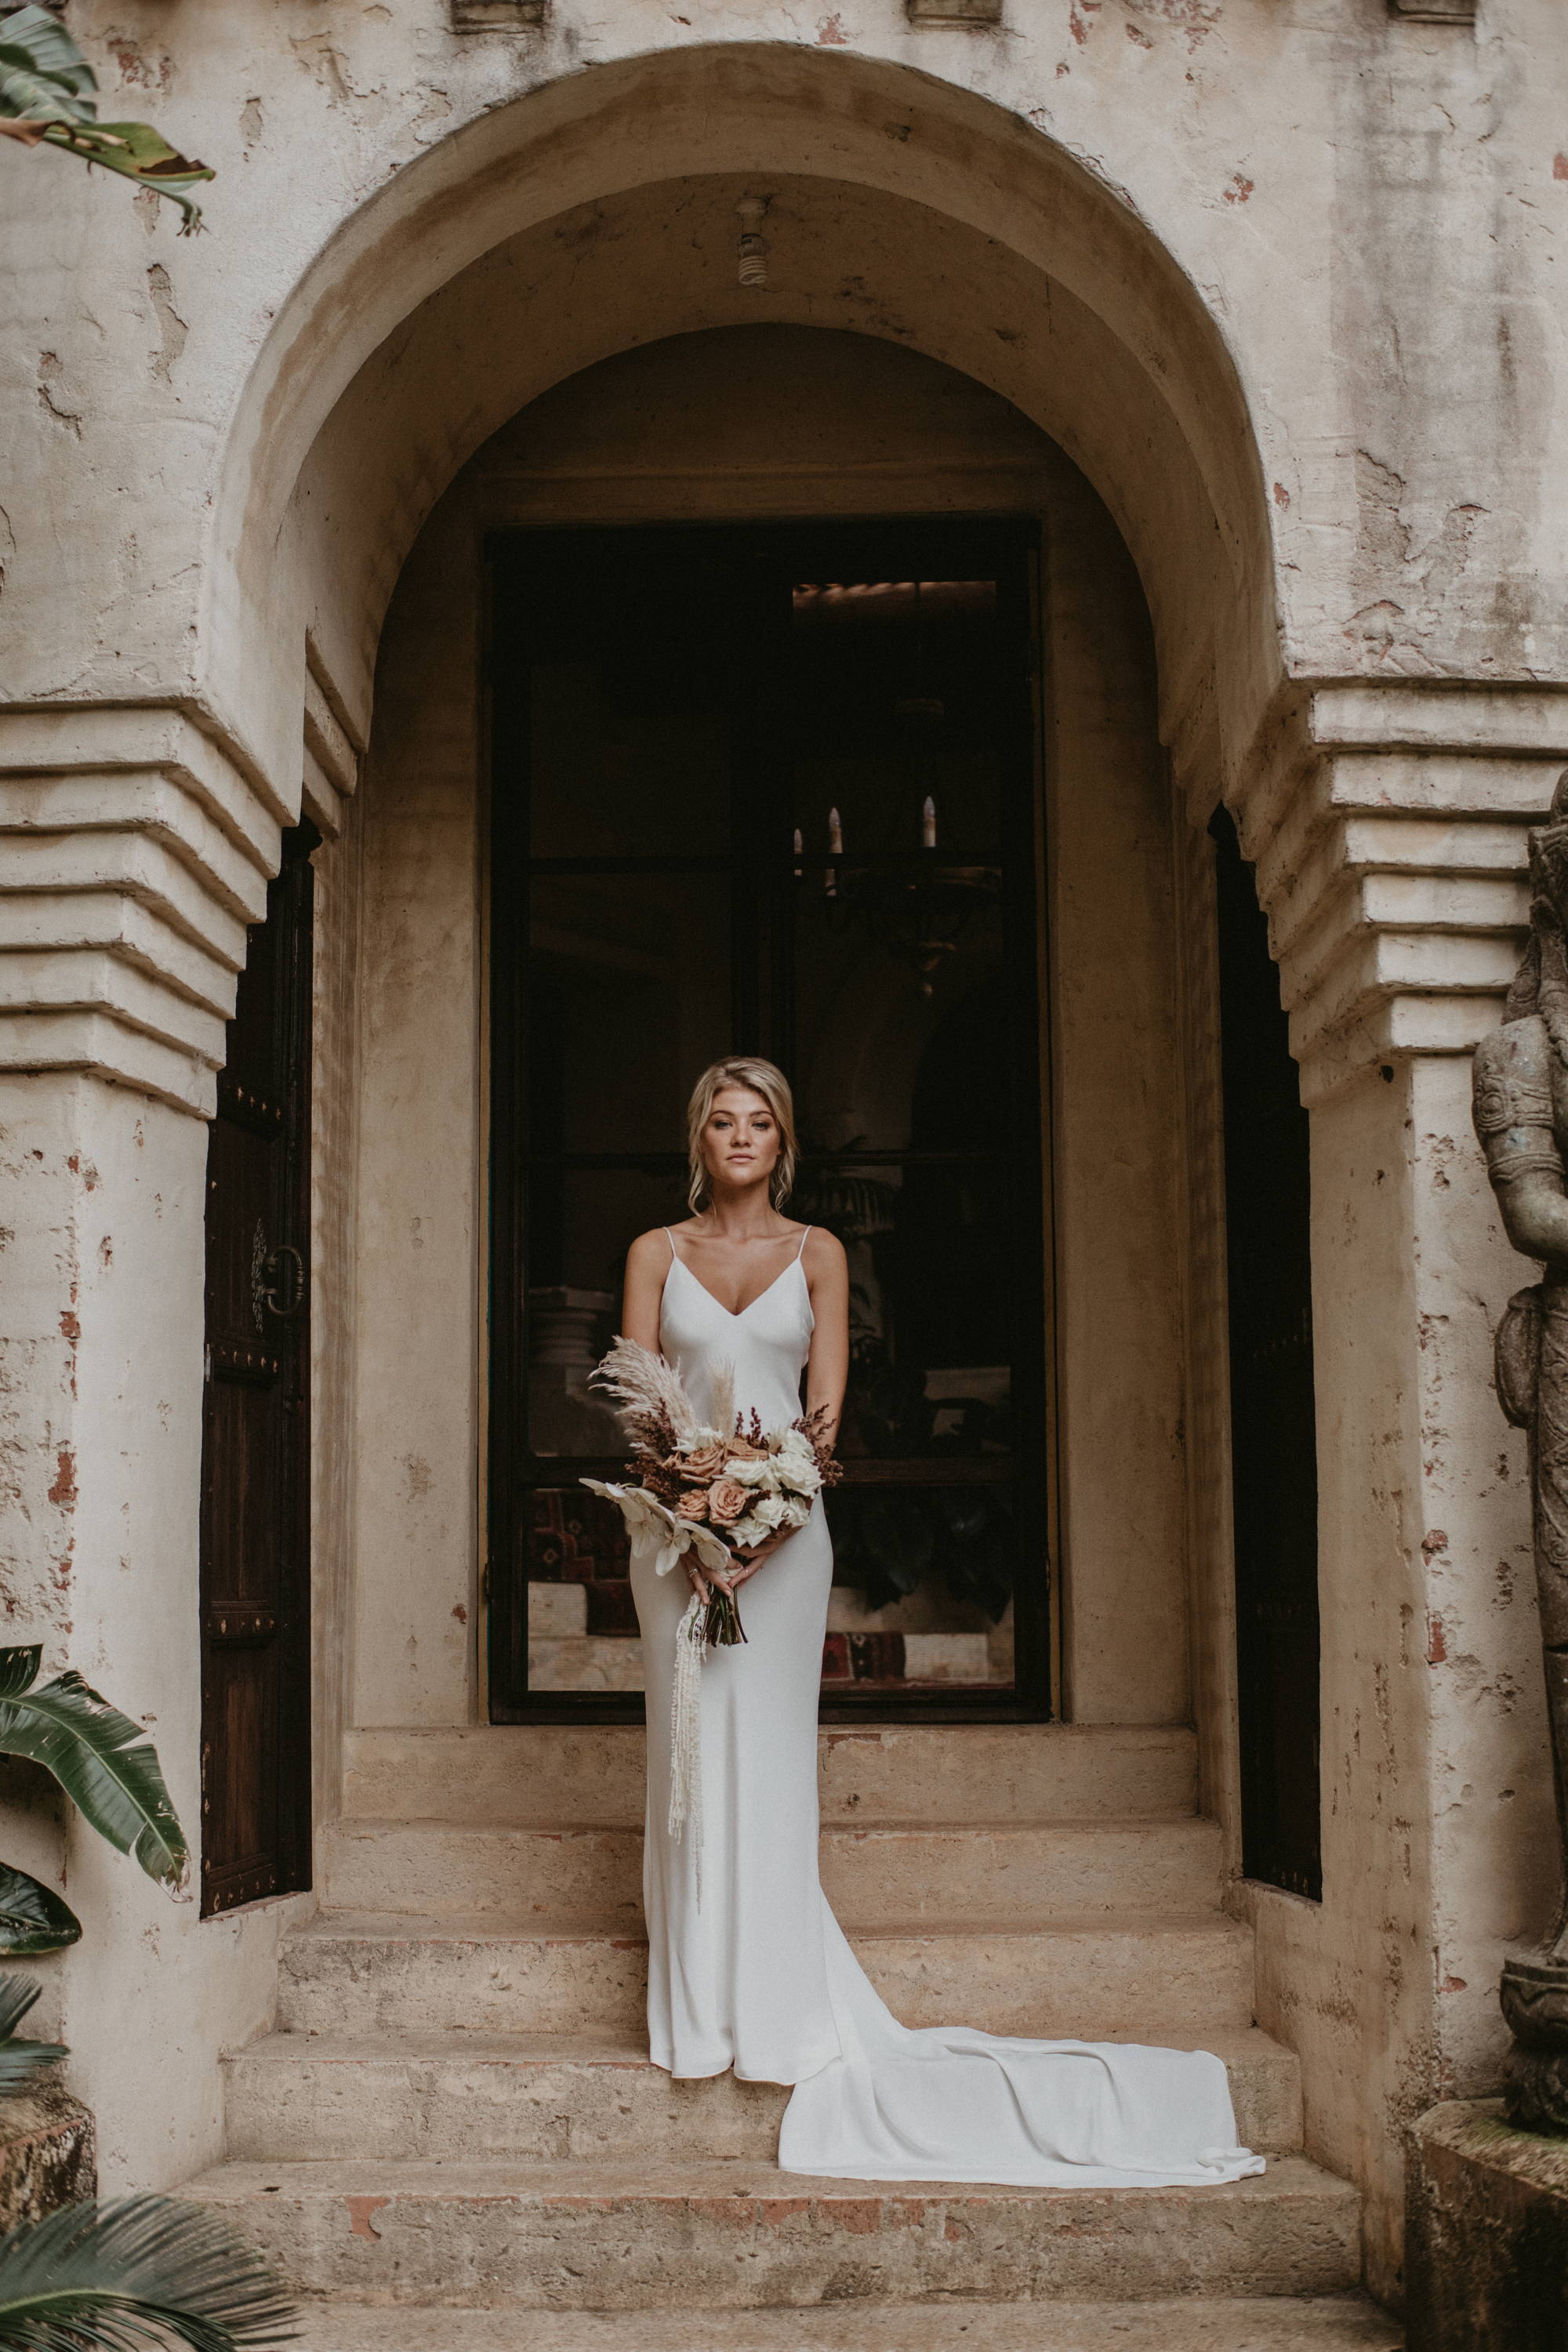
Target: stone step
point(371, 1973)
point(733, 2236)
point(873, 1873)
point(522, 1775)
point(548, 2098)
point(1210, 2324)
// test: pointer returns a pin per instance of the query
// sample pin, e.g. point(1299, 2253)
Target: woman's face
point(740, 1140)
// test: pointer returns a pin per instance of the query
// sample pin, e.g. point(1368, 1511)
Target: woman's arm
point(648, 1266)
point(827, 1366)
point(647, 1263)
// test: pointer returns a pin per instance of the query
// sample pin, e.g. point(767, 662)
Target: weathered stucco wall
point(1437, 1828)
point(1117, 1134)
point(102, 1263)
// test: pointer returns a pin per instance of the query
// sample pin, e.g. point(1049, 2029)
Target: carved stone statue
point(1521, 1119)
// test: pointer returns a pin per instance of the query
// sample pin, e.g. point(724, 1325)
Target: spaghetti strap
point(669, 1238)
point(800, 1251)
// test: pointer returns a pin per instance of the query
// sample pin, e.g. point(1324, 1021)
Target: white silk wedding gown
point(759, 1976)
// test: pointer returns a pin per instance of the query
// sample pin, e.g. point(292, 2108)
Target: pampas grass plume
point(643, 1384)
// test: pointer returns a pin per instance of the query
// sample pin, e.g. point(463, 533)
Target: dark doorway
point(773, 789)
point(1272, 1415)
point(256, 1459)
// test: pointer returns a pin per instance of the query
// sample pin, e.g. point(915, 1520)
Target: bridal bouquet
point(716, 1488)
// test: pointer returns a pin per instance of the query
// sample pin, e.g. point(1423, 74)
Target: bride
point(752, 1971)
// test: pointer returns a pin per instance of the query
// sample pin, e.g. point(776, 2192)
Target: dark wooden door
point(256, 1485)
point(1273, 1416)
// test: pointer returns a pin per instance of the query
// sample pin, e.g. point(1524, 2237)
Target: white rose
point(749, 1473)
point(771, 1510)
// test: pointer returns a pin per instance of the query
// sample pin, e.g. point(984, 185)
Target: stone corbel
point(1435, 12)
point(136, 847)
point(1387, 826)
point(133, 853)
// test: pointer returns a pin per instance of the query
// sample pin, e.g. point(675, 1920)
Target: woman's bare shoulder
point(824, 1252)
point(649, 1249)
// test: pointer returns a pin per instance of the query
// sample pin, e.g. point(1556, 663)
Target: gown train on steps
point(760, 1977)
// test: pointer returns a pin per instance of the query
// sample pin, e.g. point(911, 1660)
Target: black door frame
point(906, 547)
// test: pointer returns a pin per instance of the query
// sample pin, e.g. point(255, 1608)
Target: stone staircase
point(454, 2141)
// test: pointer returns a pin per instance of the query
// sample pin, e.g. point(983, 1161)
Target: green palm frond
point(19, 1668)
point(101, 1760)
point(18, 1995)
point(20, 2061)
point(139, 152)
point(43, 74)
point(140, 2271)
point(33, 1918)
point(45, 81)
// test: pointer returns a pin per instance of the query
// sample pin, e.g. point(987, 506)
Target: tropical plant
point(140, 2271)
point(46, 99)
point(21, 2061)
point(33, 1918)
point(107, 1765)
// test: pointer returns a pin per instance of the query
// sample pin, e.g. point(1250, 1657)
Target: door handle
point(285, 1254)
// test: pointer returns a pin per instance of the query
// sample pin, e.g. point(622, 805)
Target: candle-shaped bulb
point(799, 841)
point(928, 824)
point(834, 834)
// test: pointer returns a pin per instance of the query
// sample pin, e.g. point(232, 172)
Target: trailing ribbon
point(686, 1734)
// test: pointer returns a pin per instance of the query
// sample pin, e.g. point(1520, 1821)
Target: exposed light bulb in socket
point(753, 252)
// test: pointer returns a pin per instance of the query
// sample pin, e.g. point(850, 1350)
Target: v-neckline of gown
point(735, 1314)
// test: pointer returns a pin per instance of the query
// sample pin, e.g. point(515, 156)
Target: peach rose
point(692, 1504)
point(726, 1501)
point(741, 1449)
point(703, 1464)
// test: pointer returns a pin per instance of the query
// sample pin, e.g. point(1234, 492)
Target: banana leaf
point(101, 1760)
point(19, 1668)
point(140, 153)
point(33, 1918)
point(20, 2061)
point(42, 71)
point(141, 2271)
point(46, 86)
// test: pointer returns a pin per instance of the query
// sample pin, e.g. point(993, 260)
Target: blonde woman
point(753, 1971)
point(742, 1980)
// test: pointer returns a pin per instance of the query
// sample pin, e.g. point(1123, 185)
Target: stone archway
point(599, 212)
